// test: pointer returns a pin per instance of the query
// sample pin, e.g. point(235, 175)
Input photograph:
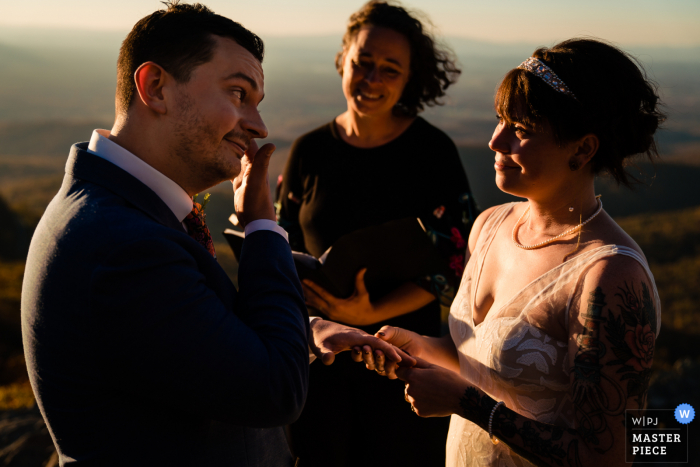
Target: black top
point(331, 188)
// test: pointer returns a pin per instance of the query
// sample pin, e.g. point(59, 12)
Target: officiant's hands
point(251, 187)
point(328, 338)
point(356, 309)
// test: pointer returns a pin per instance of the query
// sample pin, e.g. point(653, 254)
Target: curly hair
point(614, 100)
point(433, 67)
point(179, 39)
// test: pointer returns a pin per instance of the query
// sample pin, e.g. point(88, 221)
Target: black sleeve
point(448, 214)
point(290, 198)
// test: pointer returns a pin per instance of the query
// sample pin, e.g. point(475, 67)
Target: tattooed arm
point(611, 340)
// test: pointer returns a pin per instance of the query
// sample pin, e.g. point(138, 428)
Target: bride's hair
point(614, 100)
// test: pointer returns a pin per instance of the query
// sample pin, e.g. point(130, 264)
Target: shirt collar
point(170, 192)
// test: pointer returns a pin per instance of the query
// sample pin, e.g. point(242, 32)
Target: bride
point(553, 328)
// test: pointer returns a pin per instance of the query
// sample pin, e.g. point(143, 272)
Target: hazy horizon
point(627, 22)
point(50, 74)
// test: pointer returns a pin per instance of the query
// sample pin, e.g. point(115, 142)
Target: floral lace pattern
point(510, 356)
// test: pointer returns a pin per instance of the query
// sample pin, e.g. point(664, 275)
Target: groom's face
point(216, 113)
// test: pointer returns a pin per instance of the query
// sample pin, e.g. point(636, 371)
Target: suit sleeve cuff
point(312, 356)
point(265, 224)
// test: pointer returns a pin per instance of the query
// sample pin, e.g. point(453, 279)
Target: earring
point(571, 209)
point(573, 164)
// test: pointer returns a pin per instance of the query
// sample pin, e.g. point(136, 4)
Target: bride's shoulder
point(609, 232)
point(487, 217)
point(627, 265)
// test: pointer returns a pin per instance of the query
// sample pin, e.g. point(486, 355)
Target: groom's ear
point(151, 79)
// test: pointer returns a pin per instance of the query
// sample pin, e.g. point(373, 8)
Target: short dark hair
point(614, 100)
point(433, 67)
point(178, 39)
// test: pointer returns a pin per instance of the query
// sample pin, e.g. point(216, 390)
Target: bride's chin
point(507, 186)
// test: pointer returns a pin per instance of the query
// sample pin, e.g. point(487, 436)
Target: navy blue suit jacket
point(139, 348)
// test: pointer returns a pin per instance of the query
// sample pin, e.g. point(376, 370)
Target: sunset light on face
point(437, 183)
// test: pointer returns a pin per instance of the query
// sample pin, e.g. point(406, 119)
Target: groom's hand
point(251, 187)
point(407, 341)
point(328, 338)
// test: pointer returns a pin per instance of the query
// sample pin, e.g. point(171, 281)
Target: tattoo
point(572, 454)
point(634, 348)
point(476, 407)
point(591, 388)
point(539, 439)
point(596, 395)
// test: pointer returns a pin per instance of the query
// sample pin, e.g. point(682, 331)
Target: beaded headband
point(542, 71)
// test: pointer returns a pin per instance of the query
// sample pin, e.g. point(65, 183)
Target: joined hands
point(432, 390)
point(329, 338)
point(409, 342)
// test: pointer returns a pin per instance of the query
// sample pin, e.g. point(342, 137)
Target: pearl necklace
point(547, 242)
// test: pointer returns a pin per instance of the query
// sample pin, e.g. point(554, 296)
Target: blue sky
point(627, 22)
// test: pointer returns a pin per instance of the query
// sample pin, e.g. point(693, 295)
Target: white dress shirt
point(170, 192)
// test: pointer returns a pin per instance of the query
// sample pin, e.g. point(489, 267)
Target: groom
point(140, 350)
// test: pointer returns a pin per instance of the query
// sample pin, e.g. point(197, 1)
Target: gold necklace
point(547, 242)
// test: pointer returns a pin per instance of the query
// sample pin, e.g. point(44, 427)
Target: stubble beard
point(197, 144)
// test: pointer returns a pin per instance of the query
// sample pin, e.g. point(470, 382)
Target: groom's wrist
point(312, 356)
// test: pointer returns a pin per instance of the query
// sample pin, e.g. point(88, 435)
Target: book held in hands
point(395, 252)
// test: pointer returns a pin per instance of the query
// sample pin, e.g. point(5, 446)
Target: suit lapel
point(85, 166)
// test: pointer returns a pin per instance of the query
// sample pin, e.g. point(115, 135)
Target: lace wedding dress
point(509, 356)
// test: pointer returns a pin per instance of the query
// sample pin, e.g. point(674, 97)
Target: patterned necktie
point(197, 228)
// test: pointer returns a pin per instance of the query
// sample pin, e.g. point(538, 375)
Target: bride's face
point(529, 162)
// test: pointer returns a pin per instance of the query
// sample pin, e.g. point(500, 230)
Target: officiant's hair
point(614, 100)
point(178, 38)
point(433, 67)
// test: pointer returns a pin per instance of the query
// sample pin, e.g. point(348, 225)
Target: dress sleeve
point(447, 215)
point(289, 199)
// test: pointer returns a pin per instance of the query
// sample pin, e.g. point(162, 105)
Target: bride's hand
point(355, 310)
point(432, 390)
point(408, 341)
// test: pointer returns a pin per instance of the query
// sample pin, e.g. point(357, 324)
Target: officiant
point(378, 161)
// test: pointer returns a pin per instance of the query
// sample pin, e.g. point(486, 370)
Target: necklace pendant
point(514, 234)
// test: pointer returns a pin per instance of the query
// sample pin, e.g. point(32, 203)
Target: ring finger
point(379, 361)
point(368, 357)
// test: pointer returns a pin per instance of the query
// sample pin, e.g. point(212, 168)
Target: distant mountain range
point(71, 74)
point(58, 85)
